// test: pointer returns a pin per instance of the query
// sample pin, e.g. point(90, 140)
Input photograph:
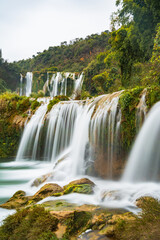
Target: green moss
point(82, 188)
point(144, 226)
point(56, 100)
point(153, 95)
point(78, 222)
point(29, 224)
point(128, 102)
point(34, 105)
point(11, 105)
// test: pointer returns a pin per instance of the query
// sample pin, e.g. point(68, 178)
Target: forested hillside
point(126, 57)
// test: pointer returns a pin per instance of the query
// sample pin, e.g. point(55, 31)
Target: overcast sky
point(30, 26)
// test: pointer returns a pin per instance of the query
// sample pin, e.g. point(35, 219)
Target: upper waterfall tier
point(29, 78)
point(59, 84)
point(83, 133)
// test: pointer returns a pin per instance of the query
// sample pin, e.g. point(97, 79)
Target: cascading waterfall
point(29, 77)
point(77, 128)
point(29, 144)
point(104, 132)
point(144, 160)
point(58, 85)
point(60, 128)
point(78, 86)
point(141, 110)
point(21, 85)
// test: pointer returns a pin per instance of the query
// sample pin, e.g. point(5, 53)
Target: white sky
point(30, 26)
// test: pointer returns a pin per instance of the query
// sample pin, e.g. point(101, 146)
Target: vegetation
point(56, 100)
point(13, 113)
point(29, 224)
point(144, 226)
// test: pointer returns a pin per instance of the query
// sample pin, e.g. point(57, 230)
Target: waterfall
point(144, 160)
point(141, 110)
point(29, 77)
point(78, 86)
point(60, 128)
point(31, 137)
point(78, 132)
point(21, 85)
point(105, 130)
point(58, 84)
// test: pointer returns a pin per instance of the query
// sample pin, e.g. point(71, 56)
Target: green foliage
point(3, 86)
point(145, 226)
point(71, 57)
point(128, 102)
point(143, 16)
point(56, 100)
point(34, 105)
point(153, 96)
point(11, 105)
point(29, 224)
point(37, 95)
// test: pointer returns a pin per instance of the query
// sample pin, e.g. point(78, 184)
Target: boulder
point(47, 190)
point(83, 185)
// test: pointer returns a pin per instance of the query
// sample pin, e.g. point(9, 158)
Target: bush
point(56, 100)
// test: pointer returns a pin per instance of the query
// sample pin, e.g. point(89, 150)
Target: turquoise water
point(16, 176)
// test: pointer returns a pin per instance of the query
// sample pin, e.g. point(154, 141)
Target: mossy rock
point(47, 190)
point(83, 185)
point(19, 199)
point(83, 188)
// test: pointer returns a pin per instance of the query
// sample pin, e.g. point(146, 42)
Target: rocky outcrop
point(19, 199)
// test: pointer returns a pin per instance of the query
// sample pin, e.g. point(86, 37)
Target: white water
point(141, 110)
point(58, 84)
point(78, 86)
point(21, 85)
point(29, 77)
point(144, 161)
point(30, 139)
point(60, 129)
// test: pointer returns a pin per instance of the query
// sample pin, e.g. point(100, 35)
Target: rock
point(108, 231)
point(92, 235)
point(42, 179)
point(83, 185)
point(82, 181)
point(19, 199)
point(47, 190)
